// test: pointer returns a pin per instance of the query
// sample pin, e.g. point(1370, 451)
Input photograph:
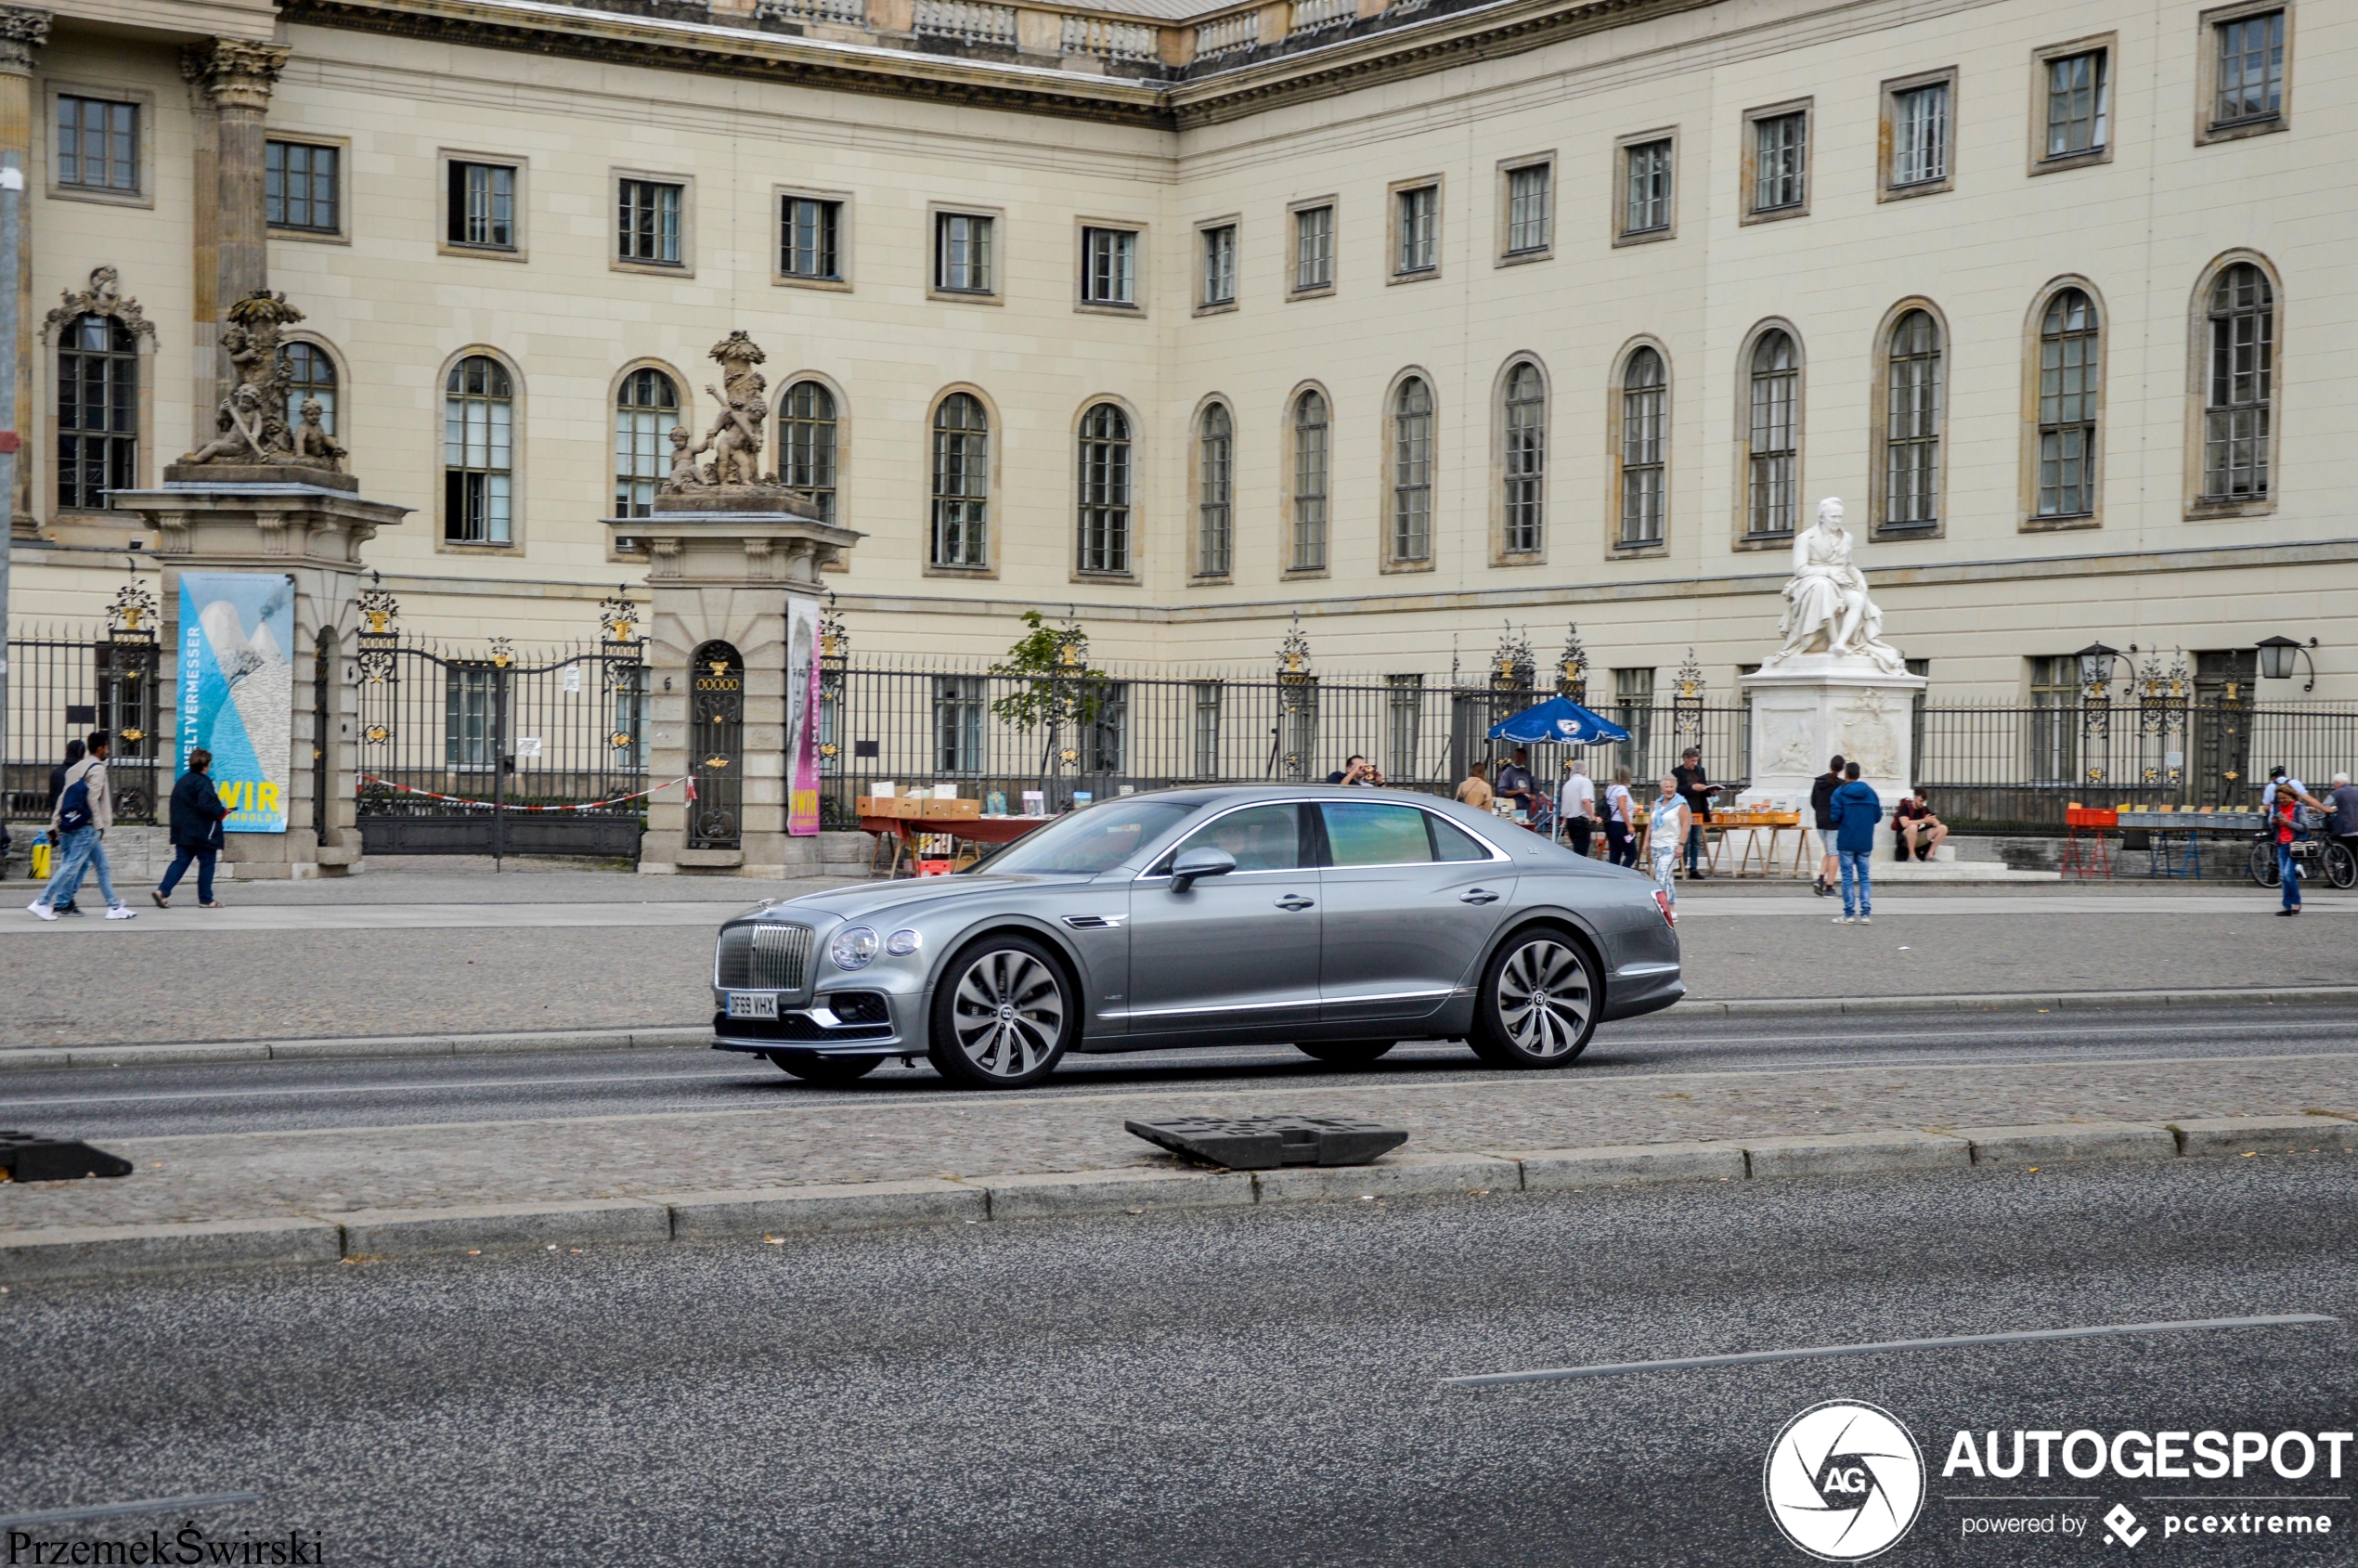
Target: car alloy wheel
point(1003, 1017)
point(1538, 1007)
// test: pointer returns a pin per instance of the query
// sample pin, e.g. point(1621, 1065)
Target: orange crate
point(2091, 816)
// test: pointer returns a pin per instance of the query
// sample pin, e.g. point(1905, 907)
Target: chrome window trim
point(1497, 855)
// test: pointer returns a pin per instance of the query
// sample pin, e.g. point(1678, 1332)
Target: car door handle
point(1295, 902)
point(1478, 896)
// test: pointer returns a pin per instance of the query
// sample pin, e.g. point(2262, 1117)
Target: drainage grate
point(1263, 1143)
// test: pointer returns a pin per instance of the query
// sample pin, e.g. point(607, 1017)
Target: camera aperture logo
point(1843, 1480)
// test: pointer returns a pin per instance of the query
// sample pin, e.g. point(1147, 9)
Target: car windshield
point(1091, 841)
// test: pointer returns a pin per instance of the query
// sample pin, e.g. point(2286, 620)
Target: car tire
point(1003, 1013)
point(1344, 1052)
point(812, 1067)
point(1539, 1000)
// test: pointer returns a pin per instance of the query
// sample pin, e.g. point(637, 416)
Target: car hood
point(870, 900)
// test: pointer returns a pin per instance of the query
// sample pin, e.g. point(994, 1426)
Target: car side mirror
point(1203, 861)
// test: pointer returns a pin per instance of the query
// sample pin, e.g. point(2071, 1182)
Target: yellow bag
point(40, 861)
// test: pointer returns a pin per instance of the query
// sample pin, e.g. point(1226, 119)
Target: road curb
point(774, 1213)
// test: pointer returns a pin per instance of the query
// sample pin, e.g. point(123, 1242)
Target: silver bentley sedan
point(1340, 921)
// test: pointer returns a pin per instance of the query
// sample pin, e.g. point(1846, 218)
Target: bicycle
point(2330, 857)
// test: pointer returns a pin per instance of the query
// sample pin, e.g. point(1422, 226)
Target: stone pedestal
point(309, 527)
point(1813, 706)
point(723, 566)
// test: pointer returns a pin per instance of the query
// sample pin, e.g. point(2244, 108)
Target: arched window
point(1526, 461)
point(1911, 423)
point(2069, 367)
point(97, 412)
point(807, 443)
point(1215, 490)
point(1310, 467)
point(478, 475)
point(2239, 386)
point(311, 374)
point(961, 481)
point(1412, 471)
point(1773, 455)
point(1645, 447)
point(1104, 489)
point(644, 412)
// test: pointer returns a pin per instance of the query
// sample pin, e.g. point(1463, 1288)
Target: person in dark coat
point(76, 751)
point(1857, 812)
point(196, 813)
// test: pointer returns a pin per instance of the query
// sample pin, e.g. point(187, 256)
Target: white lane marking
point(1815, 1353)
point(404, 917)
point(117, 1510)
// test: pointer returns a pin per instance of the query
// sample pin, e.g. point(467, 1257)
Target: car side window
point(1260, 837)
point(1451, 842)
point(1375, 834)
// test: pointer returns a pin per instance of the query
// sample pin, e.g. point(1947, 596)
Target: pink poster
point(803, 716)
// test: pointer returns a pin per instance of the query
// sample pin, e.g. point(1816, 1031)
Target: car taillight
point(1669, 910)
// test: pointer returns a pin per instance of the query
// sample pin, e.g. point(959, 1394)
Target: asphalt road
point(1229, 1388)
point(162, 1101)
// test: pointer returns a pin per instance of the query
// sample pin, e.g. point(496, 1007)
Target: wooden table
point(1752, 858)
point(976, 830)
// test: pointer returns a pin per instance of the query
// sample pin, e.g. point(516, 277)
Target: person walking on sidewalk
point(74, 750)
point(197, 814)
point(1666, 833)
point(82, 814)
point(1821, 793)
point(2285, 797)
point(1621, 845)
point(1696, 790)
point(1857, 812)
point(1576, 806)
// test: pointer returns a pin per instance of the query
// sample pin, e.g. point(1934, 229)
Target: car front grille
point(764, 955)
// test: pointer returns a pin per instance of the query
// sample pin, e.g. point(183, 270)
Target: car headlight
point(904, 943)
point(853, 946)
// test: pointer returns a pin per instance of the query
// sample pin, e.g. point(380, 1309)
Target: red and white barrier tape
point(504, 806)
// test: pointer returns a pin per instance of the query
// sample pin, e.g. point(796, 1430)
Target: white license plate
point(752, 1004)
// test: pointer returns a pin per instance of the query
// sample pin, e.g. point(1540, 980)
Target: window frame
point(2027, 518)
point(936, 212)
point(1198, 500)
point(992, 428)
point(1389, 559)
point(341, 413)
point(141, 439)
point(1083, 229)
point(514, 543)
point(2209, 128)
point(143, 104)
point(1395, 200)
point(1618, 548)
point(1879, 441)
point(520, 213)
point(1295, 211)
point(2200, 507)
point(1748, 163)
point(1618, 196)
point(1546, 250)
point(686, 185)
point(2107, 44)
point(1503, 551)
point(679, 386)
point(1204, 229)
point(841, 200)
point(1744, 538)
point(780, 420)
point(1130, 501)
point(1887, 140)
point(1290, 489)
point(342, 147)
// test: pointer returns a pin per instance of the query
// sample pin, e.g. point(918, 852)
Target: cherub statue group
point(250, 425)
point(735, 439)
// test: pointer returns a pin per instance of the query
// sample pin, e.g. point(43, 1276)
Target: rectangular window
point(1920, 135)
point(2079, 104)
point(1109, 267)
point(467, 719)
point(1219, 264)
point(1314, 249)
point(961, 253)
point(1780, 162)
point(98, 145)
point(1108, 712)
point(1207, 728)
point(2252, 70)
point(1633, 693)
point(1416, 230)
point(811, 238)
point(299, 186)
point(1643, 474)
point(1404, 724)
point(647, 222)
point(482, 205)
point(1527, 203)
point(1645, 204)
point(957, 723)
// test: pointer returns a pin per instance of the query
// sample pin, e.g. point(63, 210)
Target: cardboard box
point(902, 806)
point(953, 809)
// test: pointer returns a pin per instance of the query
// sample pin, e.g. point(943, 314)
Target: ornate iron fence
point(65, 683)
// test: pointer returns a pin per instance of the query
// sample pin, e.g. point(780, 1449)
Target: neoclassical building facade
point(1417, 322)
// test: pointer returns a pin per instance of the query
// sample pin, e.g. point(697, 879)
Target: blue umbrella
point(1558, 721)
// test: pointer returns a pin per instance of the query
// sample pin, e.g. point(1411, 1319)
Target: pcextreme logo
point(1843, 1480)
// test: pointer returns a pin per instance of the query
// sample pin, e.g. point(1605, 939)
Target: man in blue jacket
point(1856, 812)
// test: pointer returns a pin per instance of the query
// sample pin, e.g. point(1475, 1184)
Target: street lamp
point(2095, 665)
point(2277, 656)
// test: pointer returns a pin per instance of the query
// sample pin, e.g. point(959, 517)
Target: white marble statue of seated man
point(1827, 609)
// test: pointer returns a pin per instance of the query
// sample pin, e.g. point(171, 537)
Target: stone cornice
point(236, 73)
point(22, 29)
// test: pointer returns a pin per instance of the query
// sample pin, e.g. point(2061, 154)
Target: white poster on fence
point(802, 715)
point(237, 690)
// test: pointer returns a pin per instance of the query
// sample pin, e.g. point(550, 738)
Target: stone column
point(206, 369)
point(727, 577)
point(21, 32)
point(237, 77)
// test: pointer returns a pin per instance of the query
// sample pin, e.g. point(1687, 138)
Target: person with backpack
point(1821, 793)
point(74, 750)
point(1857, 812)
point(197, 814)
point(1620, 843)
point(82, 814)
point(2283, 799)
